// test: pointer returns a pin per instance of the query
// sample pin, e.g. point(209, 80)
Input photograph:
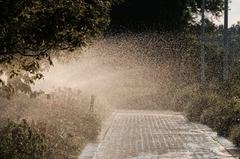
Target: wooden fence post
point(91, 109)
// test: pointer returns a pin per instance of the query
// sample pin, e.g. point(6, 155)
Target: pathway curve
point(158, 135)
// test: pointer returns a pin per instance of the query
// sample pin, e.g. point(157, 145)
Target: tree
point(166, 15)
point(31, 29)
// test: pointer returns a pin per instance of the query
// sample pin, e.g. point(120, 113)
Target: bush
point(198, 103)
point(91, 126)
point(222, 116)
point(21, 141)
point(63, 120)
point(62, 143)
point(195, 107)
point(235, 135)
point(66, 140)
point(183, 96)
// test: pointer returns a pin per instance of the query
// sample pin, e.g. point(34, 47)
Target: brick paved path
point(158, 135)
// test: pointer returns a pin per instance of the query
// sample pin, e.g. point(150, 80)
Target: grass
point(61, 118)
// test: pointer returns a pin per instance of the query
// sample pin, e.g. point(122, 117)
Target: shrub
point(91, 126)
point(21, 141)
point(183, 96)
point(235, 135)
point(62, 143)
point(195, 108)
point(222, 116)
point(198, 103)
point(66, 140)
point(63, 120)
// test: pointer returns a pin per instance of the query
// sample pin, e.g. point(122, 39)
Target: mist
point(126, 70)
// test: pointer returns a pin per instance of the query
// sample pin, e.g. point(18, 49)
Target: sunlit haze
point(234, 13)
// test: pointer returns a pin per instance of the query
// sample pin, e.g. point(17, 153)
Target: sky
point(234, 13)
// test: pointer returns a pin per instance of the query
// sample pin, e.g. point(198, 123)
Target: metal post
point(225, 40)
point(92, 103)
point(203, 43)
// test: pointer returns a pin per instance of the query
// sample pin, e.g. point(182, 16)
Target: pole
point(225, 40)
point(203, 43)
point(91, 109)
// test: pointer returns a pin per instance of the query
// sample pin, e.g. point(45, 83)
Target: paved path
point(158, 135)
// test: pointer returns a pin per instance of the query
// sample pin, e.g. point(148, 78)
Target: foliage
point(34, 27)
point(235, 135)
point(61, 117)
point(21, 141)
point(198, 102)
point(166, 15)
point(90, 126)
point(222, 117)
point(32, 30)
point(216, 103)
point(67, 138)
point(215, 108)
point(62, 143)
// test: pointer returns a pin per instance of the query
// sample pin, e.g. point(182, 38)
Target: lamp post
point(202, 74)
point(225, 41)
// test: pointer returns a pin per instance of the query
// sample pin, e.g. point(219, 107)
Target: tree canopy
point(31, 29)
point(167, 15)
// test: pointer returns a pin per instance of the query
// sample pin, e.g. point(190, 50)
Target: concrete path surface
point(159, 135)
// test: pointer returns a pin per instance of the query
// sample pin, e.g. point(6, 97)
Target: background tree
point(168, 15)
